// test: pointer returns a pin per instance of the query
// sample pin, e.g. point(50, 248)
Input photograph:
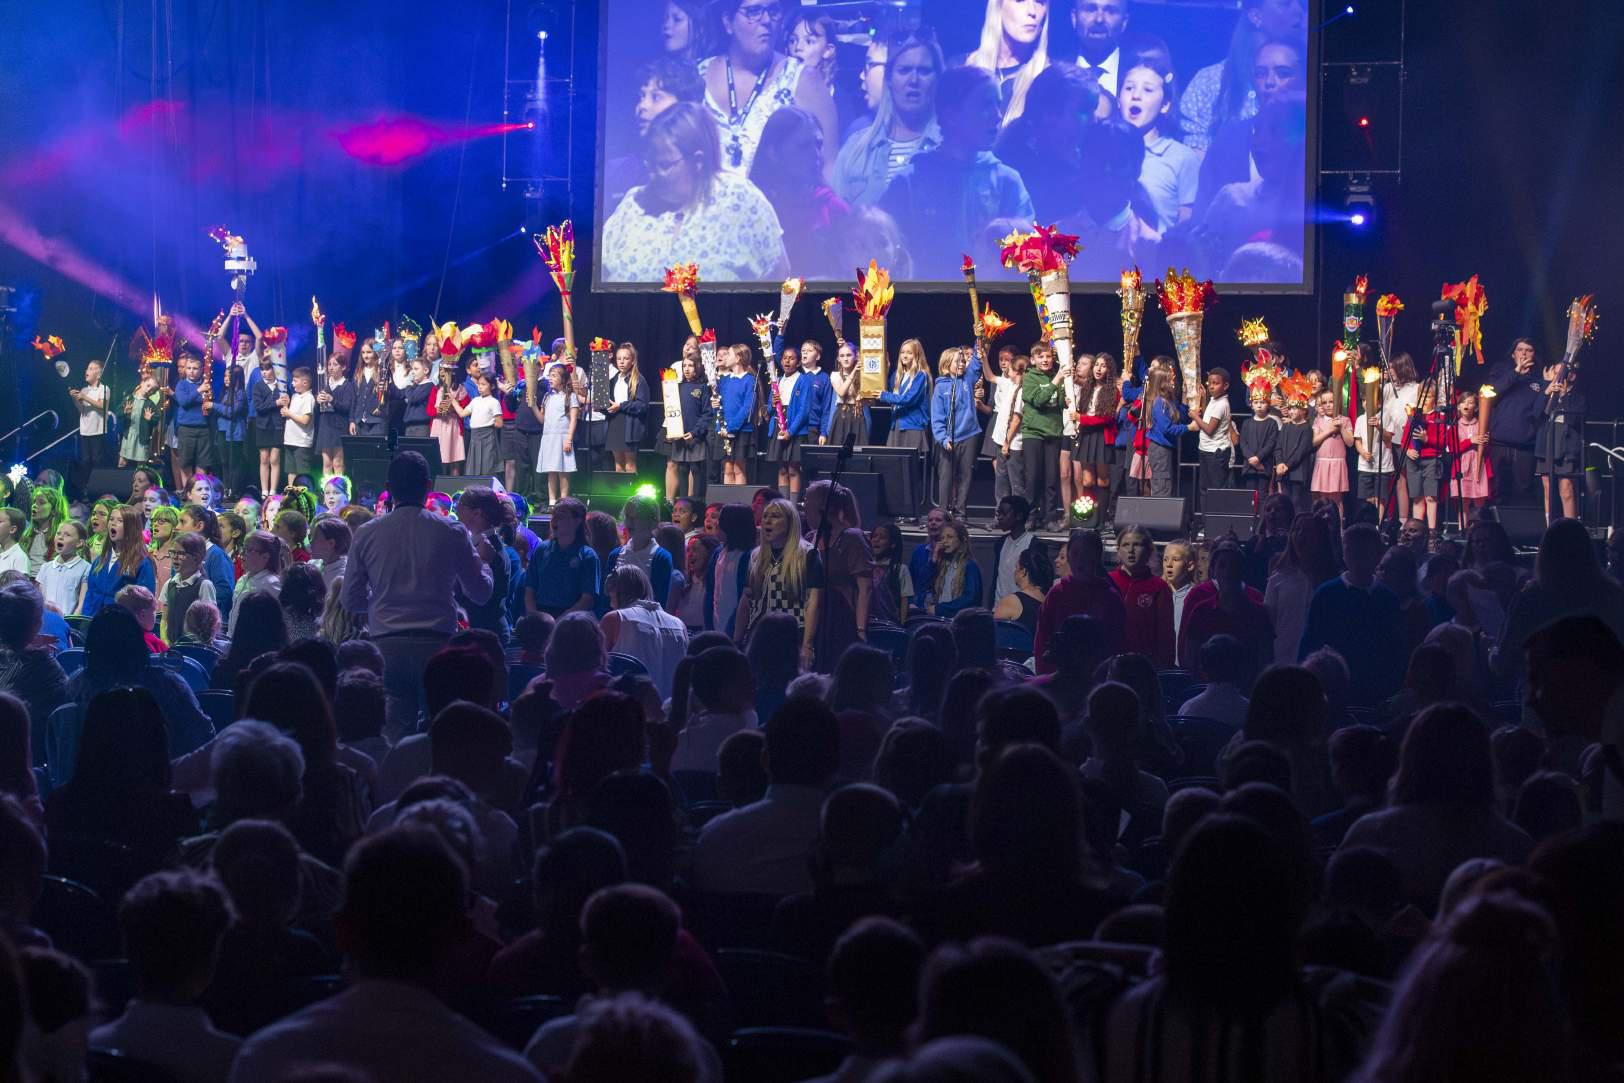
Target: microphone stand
point(821, 547)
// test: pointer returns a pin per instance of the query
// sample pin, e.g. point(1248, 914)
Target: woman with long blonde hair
point(1014, 48)
point(910, 420)
point(786, 576)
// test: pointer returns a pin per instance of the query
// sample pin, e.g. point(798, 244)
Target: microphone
point(846, 448)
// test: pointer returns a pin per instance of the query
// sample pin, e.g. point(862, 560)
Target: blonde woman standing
point(786, 576)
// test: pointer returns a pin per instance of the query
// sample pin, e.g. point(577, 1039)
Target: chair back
point(1014, 640)
point(783, 1054)
point(207, 657)
point(220, 706)
point(773, 990)
point(622, 664)
point(72, 660)
point(77, 919)
point(190, 670)
point(62, 732)
point(520, 674)
point(111, 1066)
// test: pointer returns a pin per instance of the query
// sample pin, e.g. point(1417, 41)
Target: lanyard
point(736, 118)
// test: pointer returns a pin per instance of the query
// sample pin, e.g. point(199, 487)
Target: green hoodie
point(1042, 405)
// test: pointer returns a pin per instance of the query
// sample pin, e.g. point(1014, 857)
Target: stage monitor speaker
point(426, 446)
point(1229, 502)
point(731, 494)
point(1164, 516)
point(110, 481)
point(453, 484)
point(541, 526)
point(1221, 526)
point(1524, 526)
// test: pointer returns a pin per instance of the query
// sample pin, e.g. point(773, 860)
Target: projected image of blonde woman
point(1014, 47)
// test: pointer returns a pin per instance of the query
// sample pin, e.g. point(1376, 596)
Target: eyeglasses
point(760, 13)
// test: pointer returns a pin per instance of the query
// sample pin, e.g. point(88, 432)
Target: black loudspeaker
point(1220, 526)
point(426, 446)
point(452, 484)
point(1229, 502)
point(110, 481)
point(1164, 516)
point(1524, 526)
point(541, 526)
point(731, 494)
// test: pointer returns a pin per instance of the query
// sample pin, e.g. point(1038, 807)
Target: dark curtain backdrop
point(119, 148)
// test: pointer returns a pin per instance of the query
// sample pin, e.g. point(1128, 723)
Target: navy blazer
point(636, 410)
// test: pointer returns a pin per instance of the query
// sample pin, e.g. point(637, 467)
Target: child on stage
point(1423, 470)
point(1370, 440)
point(559, 411)
point(1294, 454)
point(1260, 434)
point(415, 396)
point(738, 394)
point(685, 471)
point(847, 416)
point(447, 409)
point(299, 428)
point(1168, 421)
point(1332, 432)
point(953, 425)
point(1097, 399)
point(628, 410)
point(334, 405)
point(910, 399)
point(796, 393)
point(1474, 487)
point(485, 428)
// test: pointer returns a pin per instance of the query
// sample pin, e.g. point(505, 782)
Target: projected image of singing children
point(749, 80)
point(959, 197)
point(691, 209)
point(1276, 72)
point(789, 172)
point(1171, 170)
point(904, 123)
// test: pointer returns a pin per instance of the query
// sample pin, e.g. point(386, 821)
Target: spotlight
point(541, 35)
point(522, 229)
point(1364, 122)
point(1346, 11)
point(1360, 202)
point(645, 490)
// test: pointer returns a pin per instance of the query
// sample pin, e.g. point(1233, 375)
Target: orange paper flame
point(874, 292)
point(1388, 305)
point(50, 347)
point(1182, 293)
point(1471, 302)
point(682, 279)
point(993, 325)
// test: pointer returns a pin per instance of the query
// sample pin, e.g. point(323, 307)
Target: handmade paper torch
point(1185, 302)
point(992, 324)
point(788, 294)
point(682, 279)
point(1132, 293)
point(1044, 255)
point(873, 296)
point(834, 310)
point(1388, 306)
point(556, 247)
point(1581, 325)
point(1342, 360)
point(1353, 308)
point(51, 348)
point(532, 366)
point(969, 269)
point(1370, 391)
point(762, 325)
point(601, 359)
point(1485, 403)
point(671, 402)
point(707, 355)
point(1471, 302)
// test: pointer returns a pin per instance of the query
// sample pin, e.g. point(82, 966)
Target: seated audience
point(403, 914)
point(30, 673)
point(723, 689)
point(1441, 808)
point(996, 989)
point(172, 924)
point(1362, 762)
point(1222, 667)
point(763, 848)
point(853, 872)
point(874, 973)
point(116, 655)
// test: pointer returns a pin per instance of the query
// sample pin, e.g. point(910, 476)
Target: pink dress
point(1474, 468)
point(1330, 460)
point(448, 430)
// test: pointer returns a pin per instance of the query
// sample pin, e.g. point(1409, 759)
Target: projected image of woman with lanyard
point(750, 80)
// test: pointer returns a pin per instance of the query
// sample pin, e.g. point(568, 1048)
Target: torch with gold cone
point(873, 297)
point(1388, 306)
point(1132, 293)
point(682, 279)
point(788, 294)
point(969, 269)
point(1185, 302)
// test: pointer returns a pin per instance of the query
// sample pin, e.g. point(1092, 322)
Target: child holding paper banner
point(796, 391)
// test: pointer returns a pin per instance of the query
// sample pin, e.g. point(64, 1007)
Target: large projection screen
point(763, 139)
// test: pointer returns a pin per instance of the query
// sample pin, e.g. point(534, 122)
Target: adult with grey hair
point(403, 916)
point(636, 625)
point(30, 673)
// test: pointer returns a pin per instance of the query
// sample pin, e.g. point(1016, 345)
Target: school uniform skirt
point(615, 440)
point(918, 439)
point(688, 451)
point(784, 451)
point(744, 448)
point(485, 451)
point(1089, 445)
point(848, 422)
